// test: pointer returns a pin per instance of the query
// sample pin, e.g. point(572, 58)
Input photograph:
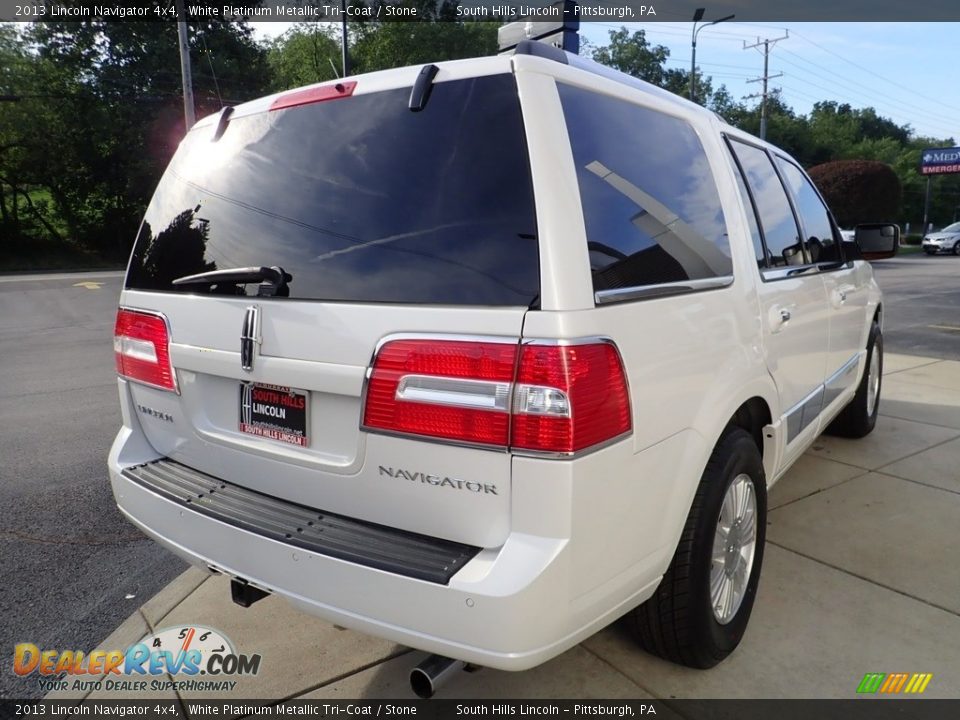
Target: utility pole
point(189, 112)
point(343, 37)
point(767, 45)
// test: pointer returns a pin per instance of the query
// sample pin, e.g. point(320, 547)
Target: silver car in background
point(944, 241)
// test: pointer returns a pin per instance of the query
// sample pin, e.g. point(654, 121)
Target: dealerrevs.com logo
point(191, 651)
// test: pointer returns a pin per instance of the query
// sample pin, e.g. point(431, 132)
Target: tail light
point(141, 348)
point(451, 389)
point(569, 397)
point(532, 397)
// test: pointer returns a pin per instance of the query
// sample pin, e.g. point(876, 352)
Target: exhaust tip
point(427, 677)
point(421, 684)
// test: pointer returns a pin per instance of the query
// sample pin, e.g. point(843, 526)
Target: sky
point(906, 71)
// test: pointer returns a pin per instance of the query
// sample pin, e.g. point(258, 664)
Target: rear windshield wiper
point(273, 280)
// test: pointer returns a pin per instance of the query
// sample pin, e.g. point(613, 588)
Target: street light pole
point(697, 17)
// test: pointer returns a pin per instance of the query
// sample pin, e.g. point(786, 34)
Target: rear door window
point(814, 216)
point(779, 225)
point(650, 201)
point(359, 199)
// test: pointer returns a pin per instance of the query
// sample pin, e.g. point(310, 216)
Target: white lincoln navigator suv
point(484, 355)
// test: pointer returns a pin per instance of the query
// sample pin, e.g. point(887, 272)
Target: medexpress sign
point(940, 161)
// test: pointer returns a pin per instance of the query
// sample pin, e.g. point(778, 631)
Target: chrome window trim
point(648, 292)
point(783, 273)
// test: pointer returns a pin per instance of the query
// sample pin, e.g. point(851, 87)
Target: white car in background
point(944, 241)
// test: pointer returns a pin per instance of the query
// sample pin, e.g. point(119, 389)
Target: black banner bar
point(606, 11)
point(856, 709)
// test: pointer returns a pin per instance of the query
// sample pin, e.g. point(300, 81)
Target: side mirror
point(877, 241)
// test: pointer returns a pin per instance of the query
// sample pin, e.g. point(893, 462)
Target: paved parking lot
point(860, 575)
point(922, 296)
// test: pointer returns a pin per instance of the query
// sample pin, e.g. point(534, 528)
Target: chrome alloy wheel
point(873, 382)
point(734, 546)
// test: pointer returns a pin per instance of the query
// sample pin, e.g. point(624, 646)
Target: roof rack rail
point(541, 49)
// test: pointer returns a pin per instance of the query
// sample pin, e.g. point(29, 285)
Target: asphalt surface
point(922, 304)
point(71, 567)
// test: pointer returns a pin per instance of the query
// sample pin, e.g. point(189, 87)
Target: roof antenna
point(422, 88)
point(216, 84)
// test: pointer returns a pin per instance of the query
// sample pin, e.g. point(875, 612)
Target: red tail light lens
point(569, 397)
point(451, 389)
point(557, 398)
point(141, 347)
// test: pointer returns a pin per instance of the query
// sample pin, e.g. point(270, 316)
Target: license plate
point(274, 412)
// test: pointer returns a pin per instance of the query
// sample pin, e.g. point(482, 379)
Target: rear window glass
point(650, 203)
point(359, 199)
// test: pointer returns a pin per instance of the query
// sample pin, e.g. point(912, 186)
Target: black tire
point(956, 248)
point(857, 419)
point(678, 622)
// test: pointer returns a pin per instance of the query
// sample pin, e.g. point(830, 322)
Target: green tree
point(107, 96)
point(379, 46)
point(306, 53)
point(632, 53)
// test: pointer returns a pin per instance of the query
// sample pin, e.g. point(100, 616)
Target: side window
point(758, 247)
point(650, 202)
point(776, 216)
point(814, 216)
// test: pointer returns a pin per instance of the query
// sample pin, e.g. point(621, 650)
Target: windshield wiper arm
point(273, 280)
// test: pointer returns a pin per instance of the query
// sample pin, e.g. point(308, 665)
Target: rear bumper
point(511, 608)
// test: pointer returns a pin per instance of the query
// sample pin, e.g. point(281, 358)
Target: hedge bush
point(859, 191)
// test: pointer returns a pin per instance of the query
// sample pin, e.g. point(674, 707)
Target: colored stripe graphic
point(893, 683)
point(918, 683)
point(871, 682)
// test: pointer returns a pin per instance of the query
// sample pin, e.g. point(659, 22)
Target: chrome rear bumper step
point(357, 541)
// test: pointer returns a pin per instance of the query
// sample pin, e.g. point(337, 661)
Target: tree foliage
point(100, 113)
point(634, 55)
point(306, 53)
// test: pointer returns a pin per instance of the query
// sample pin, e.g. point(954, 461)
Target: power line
point(873, 73)
point(856, 89)
point(899, 114)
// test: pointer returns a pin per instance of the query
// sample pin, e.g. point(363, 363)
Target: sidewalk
point(860, 575)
